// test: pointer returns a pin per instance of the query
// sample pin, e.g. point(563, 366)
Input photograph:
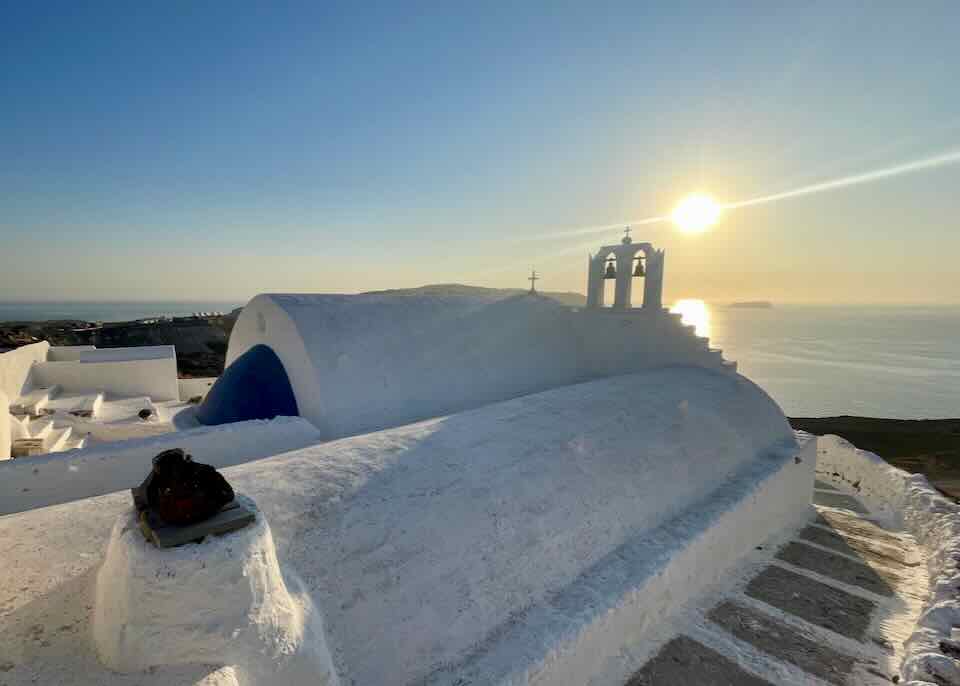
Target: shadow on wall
point(255, 386)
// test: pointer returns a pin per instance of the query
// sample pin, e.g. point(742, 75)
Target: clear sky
point(205, 150)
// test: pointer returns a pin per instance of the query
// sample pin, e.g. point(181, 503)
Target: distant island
point(753, 304)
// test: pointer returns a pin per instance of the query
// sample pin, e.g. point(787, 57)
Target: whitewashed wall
point(367, 362)
point(15, 367)
point(156, 378)
point(148, 370)
point(617, 343)
point(65, 353)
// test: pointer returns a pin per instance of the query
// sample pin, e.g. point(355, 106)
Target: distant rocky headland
point(201, 340)
point(753, 304)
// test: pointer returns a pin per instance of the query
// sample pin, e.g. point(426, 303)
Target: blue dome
point(255, 386)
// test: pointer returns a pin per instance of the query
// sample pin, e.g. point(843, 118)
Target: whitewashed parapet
point(43, 480)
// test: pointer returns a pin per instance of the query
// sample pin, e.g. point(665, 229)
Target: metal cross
point(533, 278)
point(626, 232)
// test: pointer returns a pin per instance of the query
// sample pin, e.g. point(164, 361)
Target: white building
point(357, 363)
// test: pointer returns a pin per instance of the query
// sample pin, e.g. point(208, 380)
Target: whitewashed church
point(456, 490)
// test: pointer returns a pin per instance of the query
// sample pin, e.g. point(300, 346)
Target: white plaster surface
point(507, 541)
point(130, 354)
point(18, 427)
point(221, 601)
point(358, 363)
point(190, 388)
point(63, 353)
point(910, 501)
point(154, 377)
point(602, 627)
point(16, 365)
point(5, 427)
point(146, 370)
point(106, 467)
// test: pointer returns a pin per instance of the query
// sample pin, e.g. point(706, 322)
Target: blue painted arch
point(254, 386)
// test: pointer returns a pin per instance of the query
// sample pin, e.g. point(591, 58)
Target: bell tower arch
point(624, 263)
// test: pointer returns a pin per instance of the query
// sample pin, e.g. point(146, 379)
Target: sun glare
point(696, 213)
point(696, 313)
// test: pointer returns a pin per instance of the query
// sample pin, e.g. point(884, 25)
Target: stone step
point(58, 438)
point(684, 661)
point(838, 500)
point(877, 579)
point(26, 447)
point(783, 642)
point(852, 525)
point(869, 550)
point(75, 443)
point(827, 610)
point(19, 428)
point(88, 406)
point(40, 428)
point(813, 601)
point(31, 403)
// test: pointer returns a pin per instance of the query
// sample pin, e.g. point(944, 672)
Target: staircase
point(832, 607)
point(33, 402)
point(50, 421)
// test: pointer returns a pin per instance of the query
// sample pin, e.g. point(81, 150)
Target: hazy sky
point(204, 150)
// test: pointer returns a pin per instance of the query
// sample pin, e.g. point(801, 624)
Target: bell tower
point(624, 263)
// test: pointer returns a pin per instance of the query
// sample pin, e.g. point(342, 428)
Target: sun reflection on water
point(696, 313)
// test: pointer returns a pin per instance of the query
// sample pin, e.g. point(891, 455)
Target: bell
point(639, 270)
point(611, 272)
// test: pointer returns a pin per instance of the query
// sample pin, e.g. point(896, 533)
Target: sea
point(106, 311)
point(877, 361)
point(901, 362)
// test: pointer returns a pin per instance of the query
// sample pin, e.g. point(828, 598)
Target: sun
point(696, 213)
